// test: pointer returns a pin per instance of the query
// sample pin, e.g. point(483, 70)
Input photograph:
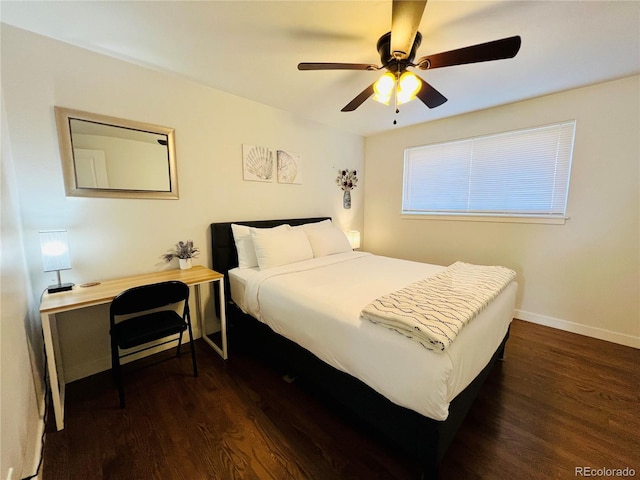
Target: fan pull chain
point(395, 100)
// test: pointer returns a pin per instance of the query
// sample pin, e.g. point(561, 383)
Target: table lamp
point(354, 238)
point(55, 256)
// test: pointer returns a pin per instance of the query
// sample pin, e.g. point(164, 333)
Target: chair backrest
point(148, 297)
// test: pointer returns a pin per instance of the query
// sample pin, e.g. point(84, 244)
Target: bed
point(305, 316)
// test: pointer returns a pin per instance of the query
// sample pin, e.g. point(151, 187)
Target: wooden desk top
point(80, 297)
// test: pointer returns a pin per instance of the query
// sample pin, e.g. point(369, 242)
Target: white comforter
point(317, 304)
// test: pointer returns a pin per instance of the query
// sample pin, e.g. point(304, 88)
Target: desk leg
point(56, 379)
point(223, 321)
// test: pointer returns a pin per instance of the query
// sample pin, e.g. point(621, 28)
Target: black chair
point(139, 330)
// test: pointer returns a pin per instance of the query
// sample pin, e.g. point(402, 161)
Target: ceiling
point(252, 48)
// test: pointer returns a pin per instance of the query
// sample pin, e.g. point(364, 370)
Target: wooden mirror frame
point(63, 119)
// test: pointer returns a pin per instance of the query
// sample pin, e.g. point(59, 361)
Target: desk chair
point(138, 330)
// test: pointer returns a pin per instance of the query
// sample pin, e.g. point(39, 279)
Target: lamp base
point(61, 287)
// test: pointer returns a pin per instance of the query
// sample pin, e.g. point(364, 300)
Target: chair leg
point(117, 372)
point(193, 346)
point(114, 367)
point(179, 344)
point(121, 388)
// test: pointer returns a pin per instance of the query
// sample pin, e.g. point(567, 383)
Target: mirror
point(111, 157)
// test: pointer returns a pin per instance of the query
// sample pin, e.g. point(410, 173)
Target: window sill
point(497, 218)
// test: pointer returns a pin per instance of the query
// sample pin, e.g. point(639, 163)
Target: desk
point(104, 292)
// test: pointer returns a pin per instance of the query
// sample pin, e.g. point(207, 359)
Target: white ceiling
point(252, 48)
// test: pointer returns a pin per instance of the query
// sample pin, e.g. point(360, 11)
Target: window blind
point(519, 173)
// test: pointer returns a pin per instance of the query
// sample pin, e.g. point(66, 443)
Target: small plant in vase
point(184, 252)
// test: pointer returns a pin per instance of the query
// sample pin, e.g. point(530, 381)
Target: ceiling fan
point(397, 51)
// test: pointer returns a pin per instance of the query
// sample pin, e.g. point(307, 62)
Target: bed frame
point(423, 438)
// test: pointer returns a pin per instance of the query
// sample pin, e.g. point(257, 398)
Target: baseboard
point(39, 445)
point(594, 332)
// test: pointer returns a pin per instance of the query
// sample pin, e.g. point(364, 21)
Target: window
point(523, 173)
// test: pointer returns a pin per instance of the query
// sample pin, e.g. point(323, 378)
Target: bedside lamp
point(55, 256)
point(354, 238)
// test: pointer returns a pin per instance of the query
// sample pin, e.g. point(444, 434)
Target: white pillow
point(275, 247)
point(327, 240)
point(306, 226)
point(244, 244)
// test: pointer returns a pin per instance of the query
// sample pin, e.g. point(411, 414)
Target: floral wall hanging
point(347, 181)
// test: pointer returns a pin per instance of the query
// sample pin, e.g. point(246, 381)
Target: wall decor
point(106, 156)
point(289, 167)
point(258, 163)
point(347, 181)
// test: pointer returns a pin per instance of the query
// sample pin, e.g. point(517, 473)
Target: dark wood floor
point(559, 402)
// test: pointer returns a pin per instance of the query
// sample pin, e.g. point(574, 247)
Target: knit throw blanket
point(433, 311)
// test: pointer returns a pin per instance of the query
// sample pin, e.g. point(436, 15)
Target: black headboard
point(223, 247)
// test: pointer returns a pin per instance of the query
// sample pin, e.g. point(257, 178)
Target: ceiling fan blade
point(359, 100)
point(483, 52)
point(337, 66)
point(431, 97)
point(405, 20)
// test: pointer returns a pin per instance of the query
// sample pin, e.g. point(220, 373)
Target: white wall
point(20, 340)
point(111, 238)
point(583, 276)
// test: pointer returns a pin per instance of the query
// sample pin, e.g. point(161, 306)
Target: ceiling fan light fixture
point(397, 50)
point(383, 88)
point(408, 87)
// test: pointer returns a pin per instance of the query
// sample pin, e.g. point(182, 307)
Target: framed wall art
point(258, 163)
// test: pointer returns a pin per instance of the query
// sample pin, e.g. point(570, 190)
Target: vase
point(346, 199)
point(185, 263)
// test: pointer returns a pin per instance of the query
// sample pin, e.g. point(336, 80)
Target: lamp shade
point(55, 250)
point(408, 87)
point(354, 238)
point(383, 88)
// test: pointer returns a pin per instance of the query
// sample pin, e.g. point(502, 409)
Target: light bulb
point(408, 87)
point(54, 248)
point(383, 88)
